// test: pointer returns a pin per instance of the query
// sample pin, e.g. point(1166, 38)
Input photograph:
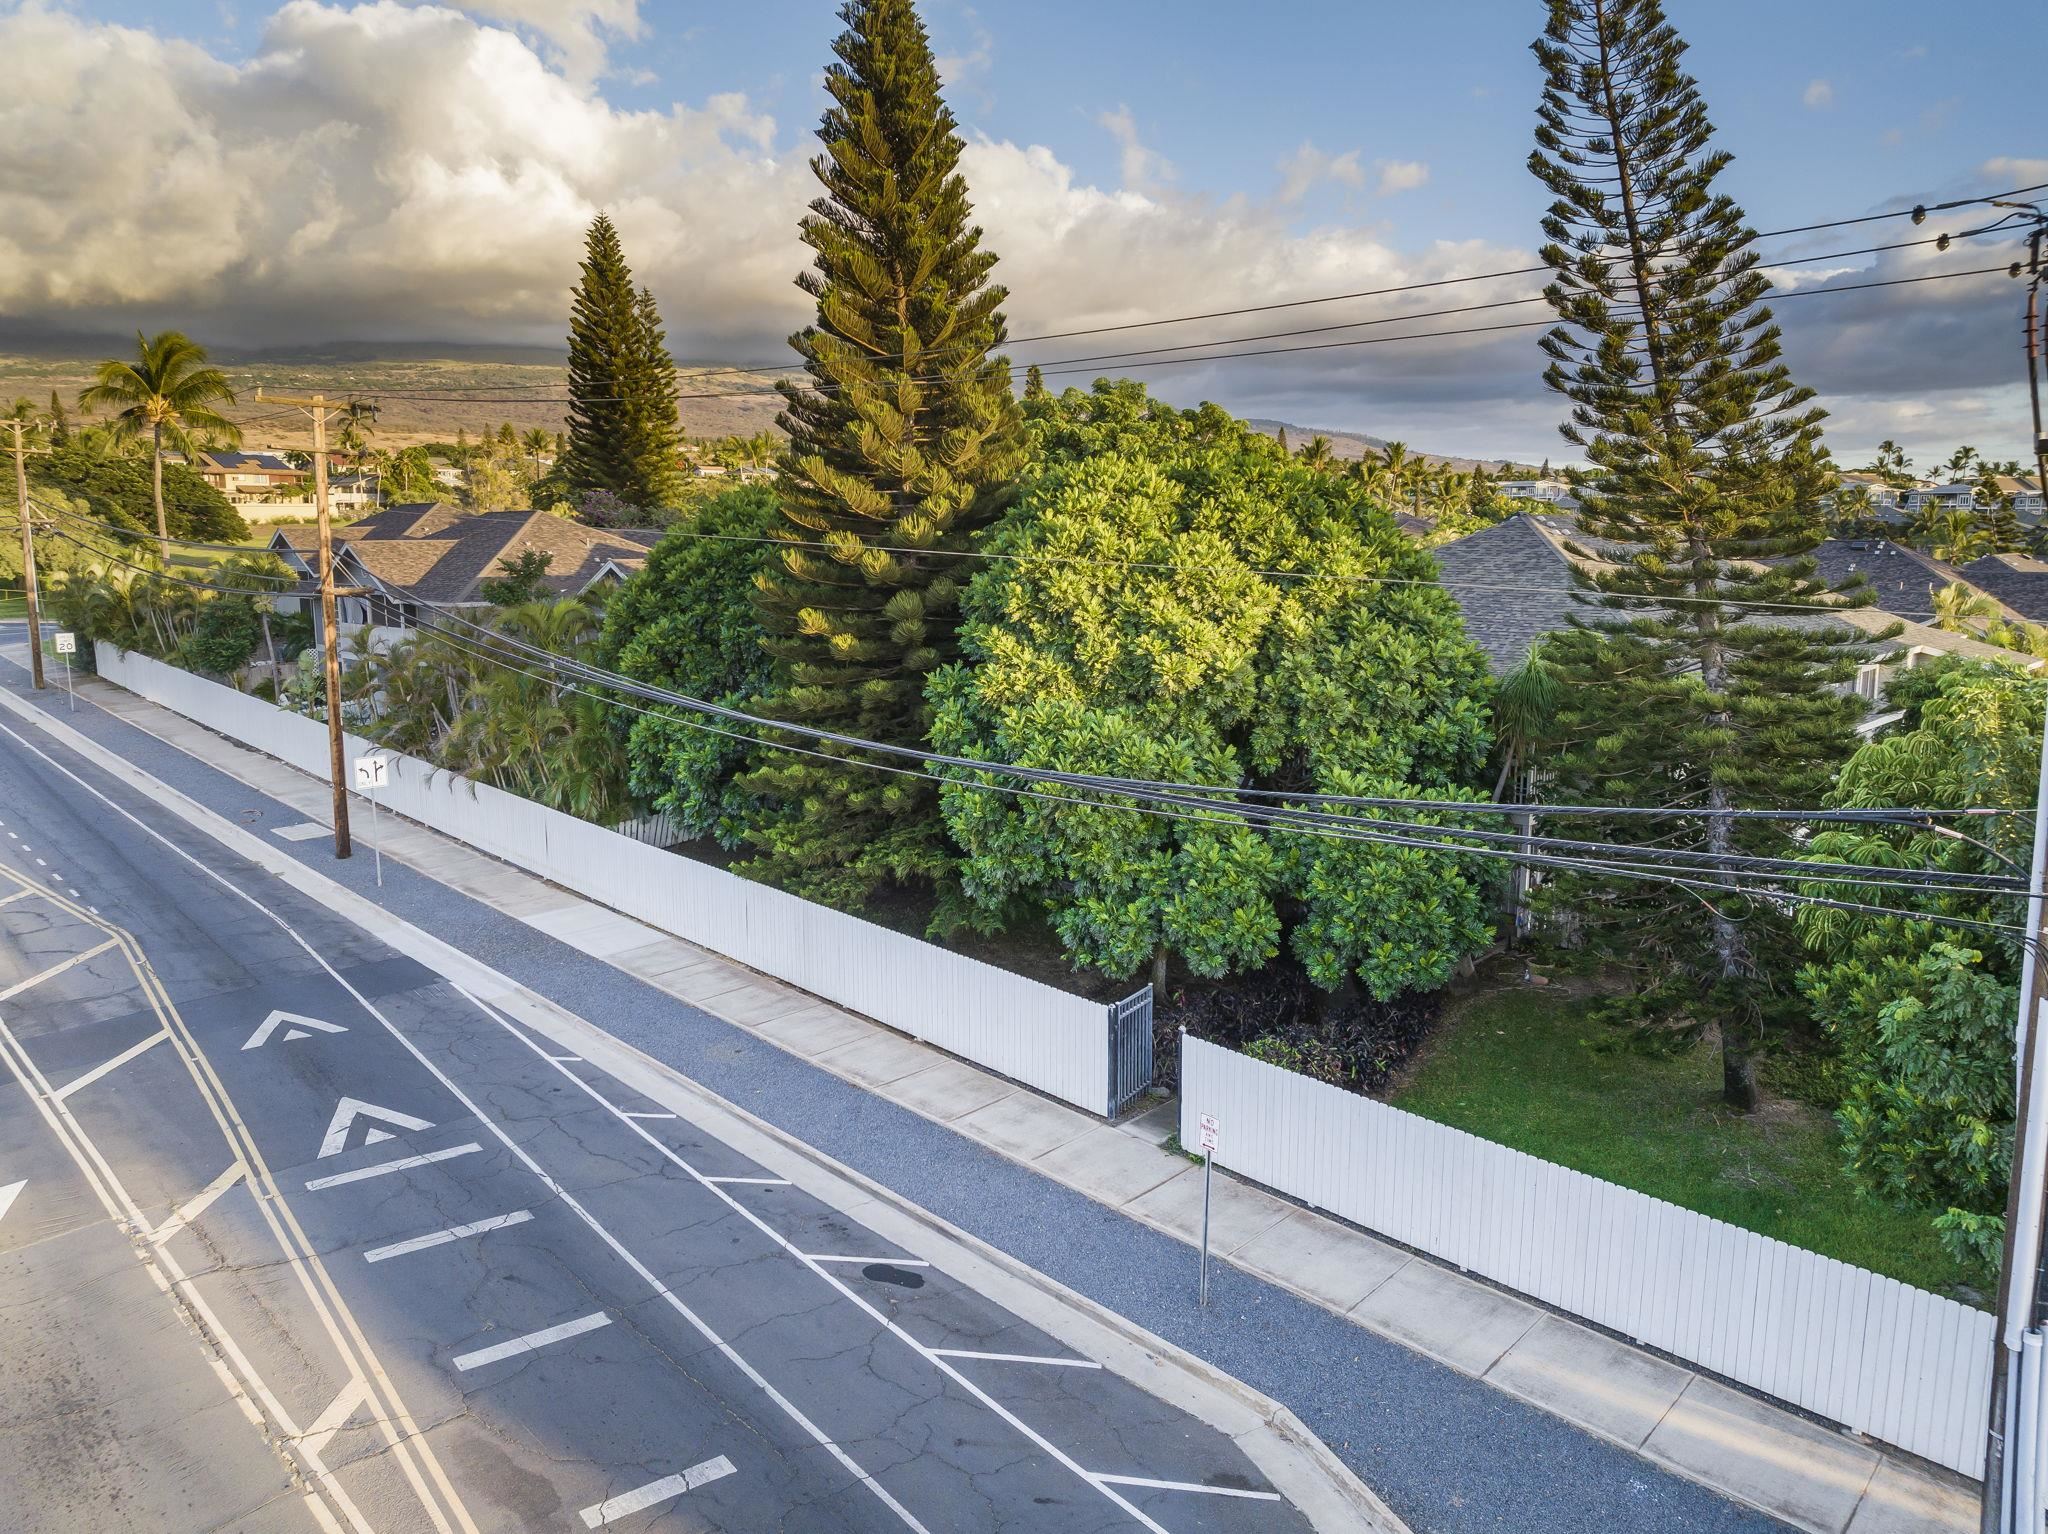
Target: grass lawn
point(1520, 1066)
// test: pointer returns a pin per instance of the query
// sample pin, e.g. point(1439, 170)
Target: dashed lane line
point(443, 1237)
point(532, 1342)
point(657, 1491)
point(402, 1164)
point(1212, 1491)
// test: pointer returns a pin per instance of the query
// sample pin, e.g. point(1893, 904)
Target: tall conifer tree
point(1707, 465)
point(623, 435)
point(904, 442)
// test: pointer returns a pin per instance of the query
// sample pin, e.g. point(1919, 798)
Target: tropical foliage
point(1143, 615)
point(624, 436)
point(1922, 1014)
point(166, 395)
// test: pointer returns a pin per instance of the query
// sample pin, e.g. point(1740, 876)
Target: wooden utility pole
point(28, 558)
point(317, 405)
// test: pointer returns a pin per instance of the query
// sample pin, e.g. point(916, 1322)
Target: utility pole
point(2037, 343)
point(28, 557)
point(317, 406)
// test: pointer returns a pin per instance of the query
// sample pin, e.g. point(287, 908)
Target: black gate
point(1130, 1049)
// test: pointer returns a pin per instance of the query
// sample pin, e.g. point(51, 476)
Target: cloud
point(1400, 175)
point(391, 171)
point(1142, 169)
point(2005, 171)
point(1301, 170)
point(1818, 95)
point(578, 30)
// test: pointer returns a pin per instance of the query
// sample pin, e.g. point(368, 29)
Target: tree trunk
point(1158, 974)
point(156, 486)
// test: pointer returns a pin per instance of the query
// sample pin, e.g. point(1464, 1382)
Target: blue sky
point(1133, 157)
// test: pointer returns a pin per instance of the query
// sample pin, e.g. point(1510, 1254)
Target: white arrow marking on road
point(346, 1113)
point(296, 1026)
point(658, 1491)
point(9, 1194)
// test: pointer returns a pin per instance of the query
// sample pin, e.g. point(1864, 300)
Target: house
point(412, 558)
point(1534, 489)
point(354, 494)
point(1514, 583)
point(2025, 494)
point(1883, 495)
point(248, 476)
point(1957, 495)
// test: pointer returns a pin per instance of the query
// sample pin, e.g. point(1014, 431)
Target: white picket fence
point(1043, 1037)
point(1881, 1357)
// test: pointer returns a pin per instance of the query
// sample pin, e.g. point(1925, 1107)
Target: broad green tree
point(1153, 615)
point(167, 394)
point(1923, 1015)
point(624, 437)
point(1706, 459)
point(905, 440)
point(686, 621)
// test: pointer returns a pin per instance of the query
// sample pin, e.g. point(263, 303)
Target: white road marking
point(894, 1262)
point(1017, 1358)
point(629, 1113)
point(305, 831)
point(295, 1025)
point(72, 893)
point(110, 1065)
point(566, 1059)
point(658, 1491)
point(335, 1418)
point(766, 1182)
point(196, 1205)
point(532, 1342)
point(404, 1163)
point(17, 895)
point(9, 1194)
point(349, 1109)
point(40, 863)
point(1210, 1491)
point(443, 1237)
point(55, 969)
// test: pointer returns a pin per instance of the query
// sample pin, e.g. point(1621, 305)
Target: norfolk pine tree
point(1706, 461)
point(623, 435)
point(904, 441)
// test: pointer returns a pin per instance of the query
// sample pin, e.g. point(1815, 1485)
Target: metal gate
point(1130, 1049)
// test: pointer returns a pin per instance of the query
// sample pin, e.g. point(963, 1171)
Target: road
point(295, 1234)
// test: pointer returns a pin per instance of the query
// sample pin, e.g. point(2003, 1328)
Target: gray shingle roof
point(1513, 585)
point(1901, 581)
point(2019, 582)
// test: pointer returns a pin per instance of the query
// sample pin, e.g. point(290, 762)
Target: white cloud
point(1142, 169)
point(2009, 171)
point(392, 171)
point(1400, 175)
point(1819, 94)
point(579, 30)
point(1301, 170)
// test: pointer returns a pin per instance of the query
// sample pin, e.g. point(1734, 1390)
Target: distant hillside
point(421, 399)
point(1349, 444)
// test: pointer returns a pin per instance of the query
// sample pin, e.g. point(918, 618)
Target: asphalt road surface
point(296, 1235)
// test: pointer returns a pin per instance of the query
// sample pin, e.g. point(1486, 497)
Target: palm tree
point(167, 392)
point(1373, 479)
point(1958, 604)
point(1316, 453)
point(536, 442)
point(1958, 537)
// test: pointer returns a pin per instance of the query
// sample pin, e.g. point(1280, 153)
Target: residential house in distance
point(248, 476)
point(1514, 582)
point(1884, 495)
point(1552, 490)
point(414, 557)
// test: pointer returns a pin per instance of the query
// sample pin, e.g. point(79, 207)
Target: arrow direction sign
point(349, 1109)
point(295, 1026)
point(9, 1192)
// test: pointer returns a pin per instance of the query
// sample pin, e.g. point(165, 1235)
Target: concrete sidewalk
point(1809, 1476)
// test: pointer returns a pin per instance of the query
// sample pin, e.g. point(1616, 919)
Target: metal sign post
point(373, 773)
point(1209, 1126)
point(67, 646)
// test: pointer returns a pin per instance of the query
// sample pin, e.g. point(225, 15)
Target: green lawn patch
point(1525, 1068)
